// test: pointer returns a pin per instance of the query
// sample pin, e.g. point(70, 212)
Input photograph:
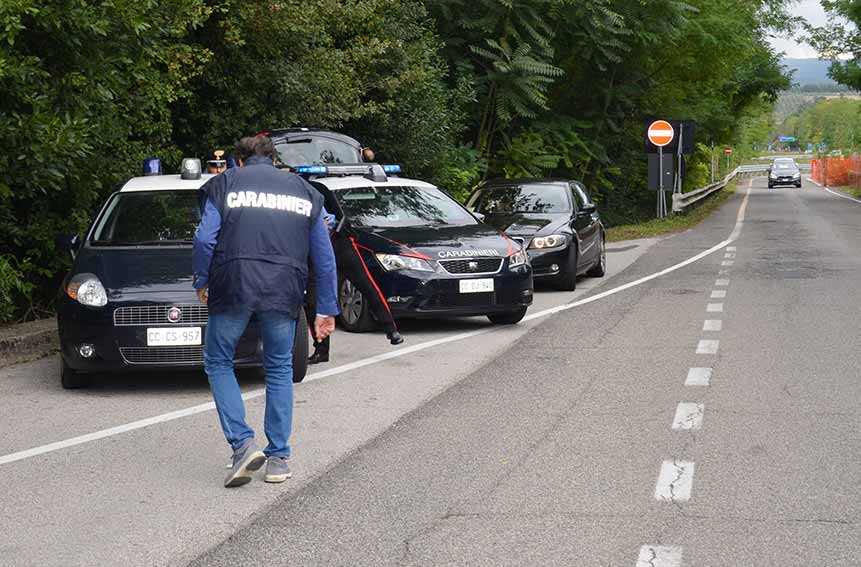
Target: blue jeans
point(222, 334)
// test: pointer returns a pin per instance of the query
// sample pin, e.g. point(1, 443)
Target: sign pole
point(661, 182)
point(713, 162)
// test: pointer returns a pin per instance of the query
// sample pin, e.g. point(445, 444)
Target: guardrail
point(682, 201)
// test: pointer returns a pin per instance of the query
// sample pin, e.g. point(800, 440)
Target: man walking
point(258, 228)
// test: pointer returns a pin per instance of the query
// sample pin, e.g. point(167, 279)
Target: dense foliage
point(456, 90)
point(834, 122)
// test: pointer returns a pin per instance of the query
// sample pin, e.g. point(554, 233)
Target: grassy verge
point(674, 223)
point(853, 191)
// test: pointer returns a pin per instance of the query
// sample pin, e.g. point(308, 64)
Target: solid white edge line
point(66, 443)
point(841, 195)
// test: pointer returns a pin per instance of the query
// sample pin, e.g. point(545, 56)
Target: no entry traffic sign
point(727, 150)
point(661, 133)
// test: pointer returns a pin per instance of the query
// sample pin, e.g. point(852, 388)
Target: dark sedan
point(128, 304)
point(784, 171)
point(428, 254)
point(555, 220)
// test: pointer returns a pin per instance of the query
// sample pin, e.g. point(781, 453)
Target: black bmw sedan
point(128, 303)
point(429, 256)
point(555, 220)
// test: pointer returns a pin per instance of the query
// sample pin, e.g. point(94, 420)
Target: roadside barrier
point(837, 171)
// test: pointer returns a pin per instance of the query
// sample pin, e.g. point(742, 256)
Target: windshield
point(535, 198)
point(154, 218)
point(314, 150)
point(785, 166)
point(390, 207)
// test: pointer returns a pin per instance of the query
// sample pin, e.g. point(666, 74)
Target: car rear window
point(526, 198)
point(314, 150)
point(399, 206)
point(154, 218)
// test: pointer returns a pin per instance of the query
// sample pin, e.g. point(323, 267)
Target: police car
point(128, 302)
point(429, 256)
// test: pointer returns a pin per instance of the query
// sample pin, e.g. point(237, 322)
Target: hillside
point(809, 71)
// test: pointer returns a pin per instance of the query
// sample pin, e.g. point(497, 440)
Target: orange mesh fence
point(836, 171)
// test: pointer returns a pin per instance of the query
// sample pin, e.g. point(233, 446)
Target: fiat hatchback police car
point(128, 302)
point(429, 256)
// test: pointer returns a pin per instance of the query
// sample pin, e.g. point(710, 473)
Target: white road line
point(722, 282)
point(675, 481)
point(708, 346)
point(723, 272)
point(842, 195)
point(718, 294)
point(727, 263)
point(699, 377)
point(729, 255)
point(659, 556)
point(730, 248)
point(712, 325)
point(714, 308)
point(689, 415)
point(66, 443)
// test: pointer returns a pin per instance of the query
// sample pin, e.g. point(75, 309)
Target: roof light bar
point(392, 168)
point(151, 166)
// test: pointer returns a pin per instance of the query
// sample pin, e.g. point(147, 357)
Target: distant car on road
point(308, 146)
point(556, 220)
point(429, 256)
point(784, 171)
point(127, 303)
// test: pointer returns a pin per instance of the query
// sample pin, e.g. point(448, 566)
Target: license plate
point(173, 336)
point(476, 286)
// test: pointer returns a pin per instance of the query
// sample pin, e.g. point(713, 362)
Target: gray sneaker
point(246, 459)
point(278, 469)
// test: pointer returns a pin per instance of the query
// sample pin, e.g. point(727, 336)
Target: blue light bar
point(312, 169)
point(152, 166)
point(392, 168)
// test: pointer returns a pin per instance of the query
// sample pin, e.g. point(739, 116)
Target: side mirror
point(588, 209)
point(479, 216)
point(70, 243)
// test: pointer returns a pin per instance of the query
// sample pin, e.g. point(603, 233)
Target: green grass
point(674, 223)
point(853, 191)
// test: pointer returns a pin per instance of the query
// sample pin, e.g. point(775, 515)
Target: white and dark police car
point(429, 256)
point(128, 303)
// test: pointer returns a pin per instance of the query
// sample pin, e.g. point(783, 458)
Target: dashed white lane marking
point(714, 308)
point(718, 294)
point(722, 283)
point(708, 346)
point(730, 248)
point(170, 416)
point(712, 325)
point(659, 556)
point(689, 415)
point(727, 263)
point(699, 377)
point(724, 272)
point(675, 481)
point(729, 255)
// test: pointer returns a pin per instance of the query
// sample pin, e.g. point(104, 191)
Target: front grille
point(157, 315)
point(472, 266)
point(163, 355)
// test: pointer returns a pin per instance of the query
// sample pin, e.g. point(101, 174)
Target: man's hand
point(323, 327)
point(203, 294)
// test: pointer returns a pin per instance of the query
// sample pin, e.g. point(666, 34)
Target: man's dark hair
point(255, 146)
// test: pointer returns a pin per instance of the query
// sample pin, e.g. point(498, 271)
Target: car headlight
point(393, 262)
point(772, 176)
point(552, 241)
point(796, 175)
point(87, 290)
point(517, 259)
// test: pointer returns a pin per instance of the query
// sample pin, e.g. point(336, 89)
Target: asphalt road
point(704, 416)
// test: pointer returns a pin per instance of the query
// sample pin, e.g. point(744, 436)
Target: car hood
point(526, 225)
point(439, 243)
point(138, 270)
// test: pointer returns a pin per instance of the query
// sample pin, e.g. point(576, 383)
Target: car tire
point(770, 186)
point(599, 269)
point(300, 348)
point(568, 280)
point(798, 185)
point(508, 317)
point(355, 314)
point(70, 378)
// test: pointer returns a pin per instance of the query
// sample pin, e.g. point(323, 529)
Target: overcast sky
point(811, 11)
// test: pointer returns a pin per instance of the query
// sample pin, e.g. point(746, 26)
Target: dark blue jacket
point(259, 259)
